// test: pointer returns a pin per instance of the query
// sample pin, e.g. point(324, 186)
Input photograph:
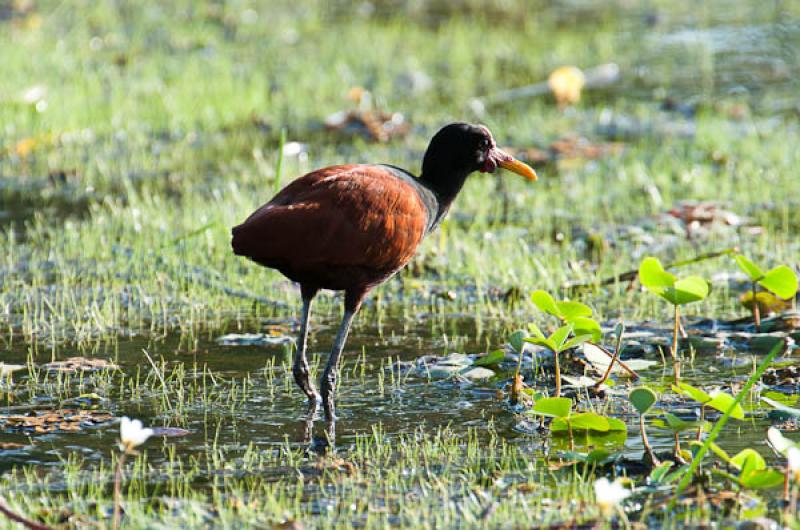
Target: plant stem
point(614, 358)
point(678, 456)
point(571, 439)
point(702, 421)
point(756, 309)
point(653, 458)
point(118, 492)
point(701, 453)
point(516, 383)
point(676, 362)
point(558, 376)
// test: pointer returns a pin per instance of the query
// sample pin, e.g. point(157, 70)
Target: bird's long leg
point(300, 368)
point(328, 381)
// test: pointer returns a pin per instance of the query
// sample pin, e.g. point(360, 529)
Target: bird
point(352, 227)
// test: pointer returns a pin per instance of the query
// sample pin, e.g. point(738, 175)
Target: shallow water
point(269, 415)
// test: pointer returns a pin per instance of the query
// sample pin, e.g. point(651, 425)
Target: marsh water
point(375, 392)
point(203, 394)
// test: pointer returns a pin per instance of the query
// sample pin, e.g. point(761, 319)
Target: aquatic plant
point(578, 327)
point(643, 400)
point(780, 282)
point(716, 399)
point(676, 291)
point(566, 421)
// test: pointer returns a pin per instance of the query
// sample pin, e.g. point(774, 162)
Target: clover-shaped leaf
point(668, 286)
point(781, 281)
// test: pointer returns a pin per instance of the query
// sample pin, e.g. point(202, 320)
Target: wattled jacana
point(351, 227)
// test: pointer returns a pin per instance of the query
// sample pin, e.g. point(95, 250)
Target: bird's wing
point(352, 215)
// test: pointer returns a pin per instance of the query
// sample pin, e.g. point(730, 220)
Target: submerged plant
point(567, 421)
point(643, 400)
point(577, 327)
point(676, 291)
point(557, 342)
point(780, 282)
point(753, 470)
point(715, 399)
point(676, 426)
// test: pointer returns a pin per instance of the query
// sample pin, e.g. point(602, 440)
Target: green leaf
point(574, 341)
point(692, 392)
point(791, 411)
point(490, 359)
point(748, 267)
point(675, 424)
point(559, 336)
point(653, 276)
point(588, 421)
point(722, 401)
point(686, 290)
point(537, 333)
point(721, 453)
point(569, 311)
point(553, 407)
point(748, 460)
point(688, 474)
point(660, 471)
point(547, 343)
point(781, 280)
point(642, 398)
point(545, 303)
point(761, 479)
point(616, 425)
point(587, 326)
point(515, 340)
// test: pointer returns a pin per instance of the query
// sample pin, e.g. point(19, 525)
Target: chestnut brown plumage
point(349, 228)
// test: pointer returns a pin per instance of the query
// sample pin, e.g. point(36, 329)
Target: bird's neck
point(445, 185)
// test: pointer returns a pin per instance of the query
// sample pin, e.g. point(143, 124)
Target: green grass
point(165, 123)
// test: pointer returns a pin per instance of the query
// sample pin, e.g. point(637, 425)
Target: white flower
point(132, 434)
point(608, 495)
point(793, 461)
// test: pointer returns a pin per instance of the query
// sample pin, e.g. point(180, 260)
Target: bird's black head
point(459, 149)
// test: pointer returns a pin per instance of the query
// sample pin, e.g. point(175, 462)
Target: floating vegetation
point(52, 421)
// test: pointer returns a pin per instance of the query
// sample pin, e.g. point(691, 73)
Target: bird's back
point(339, 227)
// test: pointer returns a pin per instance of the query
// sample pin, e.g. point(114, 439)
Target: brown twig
point(619, 362)
point(118, 492)
point(614, 358)
point(27, 523)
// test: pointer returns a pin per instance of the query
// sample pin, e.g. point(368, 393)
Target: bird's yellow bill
point(519, 168)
